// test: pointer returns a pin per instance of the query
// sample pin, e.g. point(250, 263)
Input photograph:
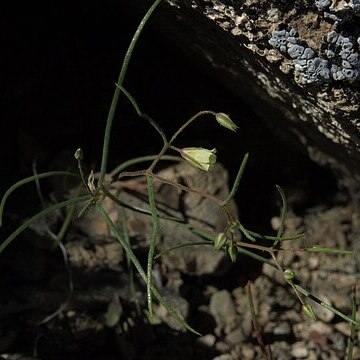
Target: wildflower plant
point(235, 238)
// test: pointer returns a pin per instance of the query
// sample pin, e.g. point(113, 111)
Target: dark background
point(59, 66)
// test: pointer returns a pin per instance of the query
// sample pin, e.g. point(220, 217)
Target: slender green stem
point(284, 211)
point(326, 306)
point(39, 216)
point(141, 271)
point(352, 337)
point(183, 245)
point(157, 159)
point(143, 115)
point(182, 128)
point(26, 181)
point(65, 225)
point(126, 237)
point(155, 125)
point(131, 99)
point(237, 180)
point(256, 257)
point(141, 159)
point(83, 178)
point(273, 238)
point(154, 234)
point(117, 91)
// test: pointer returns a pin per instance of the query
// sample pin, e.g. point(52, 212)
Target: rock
point(282, 328)
point(191, 207)
point(222, 308)
point(299, 350)
point(224, 357)
point(236, 336)
point(343, 328)
point(207, 340)
point(297, 65)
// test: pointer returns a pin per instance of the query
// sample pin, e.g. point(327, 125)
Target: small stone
point(222, 347)
point(282, 329)
point(224, 357)
point(247, 352)
point(207, 340)
point(321, 328)
point(299, 350)
point(235, 337)
point(222, 308)
point(343, 327)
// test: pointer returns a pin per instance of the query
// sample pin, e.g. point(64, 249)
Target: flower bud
point(308, 311)
point(79, 154)
point(232, 252)
point(220, 241)
point(225, 121)
point(201, 158)
point(289, 274)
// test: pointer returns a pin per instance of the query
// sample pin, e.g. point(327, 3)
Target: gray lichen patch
point(303, 58)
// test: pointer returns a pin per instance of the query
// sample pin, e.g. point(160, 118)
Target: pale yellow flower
point(201, 158)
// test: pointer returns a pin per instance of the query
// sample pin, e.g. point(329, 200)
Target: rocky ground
point(51, 309)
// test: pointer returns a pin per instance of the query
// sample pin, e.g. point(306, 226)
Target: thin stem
point(26, 181)
point(237, 180)
point(154, 234)
point(187, 189)
point(117, 92)
point(39, 216)
point(83, 178)
point(169, 182)
point(141, 271)
point(182, 128)
point(138, 160)
point(283, 214)
point(352, 337)
point(326, 306)
point(157, 159)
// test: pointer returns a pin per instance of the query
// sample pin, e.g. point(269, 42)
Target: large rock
point(296, 61)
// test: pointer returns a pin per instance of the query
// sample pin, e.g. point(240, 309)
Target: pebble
point(224, 357)
point(299, 350)
point(207, 340)
point(343, 327)
point(248, 352)
point(282, 328)
point(235, 337)
point(222, 308)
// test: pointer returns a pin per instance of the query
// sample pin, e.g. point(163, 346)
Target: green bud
point(220, 241)
point(201, 158)
point(232, 252)
point(225, 121)
point(79, 154)
point(289, 274)
point(308, 311)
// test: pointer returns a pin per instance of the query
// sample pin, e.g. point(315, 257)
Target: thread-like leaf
point(326, 306)
point(142, 159)
point(117, 92)
point(352, 338)
point(284, 210)
point(326, 250)
point(141, 271)
point(26, 181)
point(39, 216)
point(237, 180)
point(154, 234)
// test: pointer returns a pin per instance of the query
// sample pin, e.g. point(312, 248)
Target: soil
point(55, 304)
